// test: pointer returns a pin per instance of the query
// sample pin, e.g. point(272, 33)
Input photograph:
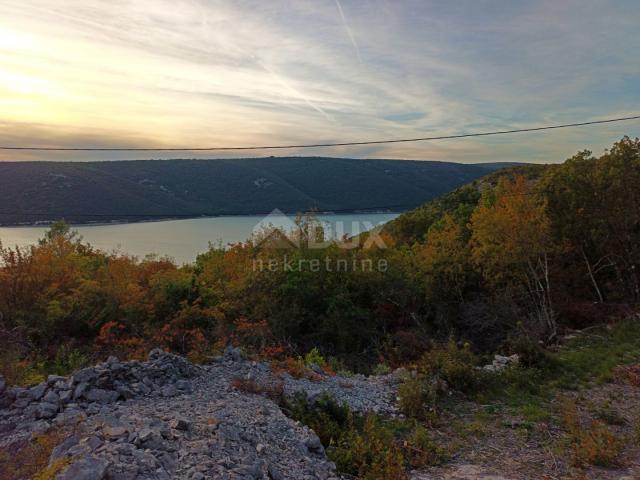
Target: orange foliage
point(511, 232)
point(629, 374)
point(113, 338)
point(445, 256)
point(120, 279)
point(273, 352)
point(593, 444)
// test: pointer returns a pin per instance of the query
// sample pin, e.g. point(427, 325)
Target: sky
point(204, 73)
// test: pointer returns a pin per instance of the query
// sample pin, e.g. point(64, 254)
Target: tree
point(511, 242)
point(618, 178)
point(594, 207)
point(573, 205)
point(446, 256)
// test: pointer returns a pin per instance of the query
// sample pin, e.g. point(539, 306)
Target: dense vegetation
point(502, 263)
point(138, 190)
point(508, 263)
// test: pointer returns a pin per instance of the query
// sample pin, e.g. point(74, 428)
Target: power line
point(314, 145)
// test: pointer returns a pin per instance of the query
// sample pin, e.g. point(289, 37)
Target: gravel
point(167, 418)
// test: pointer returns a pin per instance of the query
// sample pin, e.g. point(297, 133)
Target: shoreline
point(47, 223)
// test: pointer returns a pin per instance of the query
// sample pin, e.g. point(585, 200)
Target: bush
point(530, 353)
point(455, 366)
point(593, 444)
point(369, 453)
point(366, 447)
point(68, 361)
point(524, 381)
point(325, 416)
point(442, 369)
point(314, 356)
point(18, 370)
point(381, 369)
point(29, 459)
point(422, 450)
point(330, 365)
point(295, 367)
point(417, 394)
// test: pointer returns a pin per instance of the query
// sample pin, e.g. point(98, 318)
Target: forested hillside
point(137, 190)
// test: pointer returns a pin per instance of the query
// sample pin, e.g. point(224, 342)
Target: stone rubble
point(500, 362)
point(167, 418)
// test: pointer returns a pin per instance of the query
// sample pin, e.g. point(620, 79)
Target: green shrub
point(367, 447)
point(525, 381)
point(68, 361)
point(454, 365)
point(381, 369)
point(315, 357)
point(21, 370)
point(416, 396)
point(325, 416)
point(329, 364)
point(369, 453)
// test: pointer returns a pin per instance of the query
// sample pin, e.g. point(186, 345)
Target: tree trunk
point(591, 275)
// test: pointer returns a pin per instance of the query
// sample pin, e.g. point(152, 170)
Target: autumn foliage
point(503, 256)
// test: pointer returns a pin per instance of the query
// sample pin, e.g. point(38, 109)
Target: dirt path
point(491, 444)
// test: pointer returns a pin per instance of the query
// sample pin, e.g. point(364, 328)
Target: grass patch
point(476, 427)
point(533, 412)
point(593, 356)
point(607, 414)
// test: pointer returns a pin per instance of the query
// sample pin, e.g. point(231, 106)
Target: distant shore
point(97, 223)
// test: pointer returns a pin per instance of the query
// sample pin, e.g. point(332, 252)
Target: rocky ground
point(167, 418)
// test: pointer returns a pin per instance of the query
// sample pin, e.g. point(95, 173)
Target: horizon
point(281, 157)
point(173, 74)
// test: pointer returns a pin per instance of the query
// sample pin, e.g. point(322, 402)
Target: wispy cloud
point(222, 72)
point(349, 31)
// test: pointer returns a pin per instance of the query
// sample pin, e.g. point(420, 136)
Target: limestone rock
point(37, 392)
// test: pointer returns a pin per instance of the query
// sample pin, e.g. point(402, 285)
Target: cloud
point(235, 73)
point(347, 28)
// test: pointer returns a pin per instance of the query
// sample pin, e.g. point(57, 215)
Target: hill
point(80, 192)
point(413, 225)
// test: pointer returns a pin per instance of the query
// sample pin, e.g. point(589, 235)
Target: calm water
point(184, 239)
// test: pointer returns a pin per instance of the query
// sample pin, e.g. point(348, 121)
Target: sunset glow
point(222, 73)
